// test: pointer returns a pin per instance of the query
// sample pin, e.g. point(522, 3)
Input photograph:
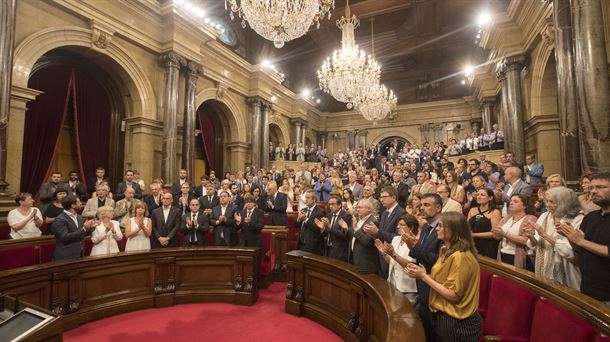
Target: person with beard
point(310, 235)
point(76, 188)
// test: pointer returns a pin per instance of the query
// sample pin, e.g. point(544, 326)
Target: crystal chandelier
point(377, 104)
point(280, 20)
point(349, 75)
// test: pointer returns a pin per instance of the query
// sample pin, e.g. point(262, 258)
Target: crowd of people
point(418, 222)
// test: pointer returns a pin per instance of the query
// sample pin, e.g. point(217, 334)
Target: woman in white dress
point(138, 230)
point(106, 234)
point(554, 254)
point(25, 219)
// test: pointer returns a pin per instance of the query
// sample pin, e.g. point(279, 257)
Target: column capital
point(172, 60)
point(193, 69)
point(489, 100)
point(511, 63)
point(322, 134)
point(258, 101)
point(298, 122)
point(548, 32)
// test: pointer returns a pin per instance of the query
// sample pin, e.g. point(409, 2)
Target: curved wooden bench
point(91, 288)
point(352, 305)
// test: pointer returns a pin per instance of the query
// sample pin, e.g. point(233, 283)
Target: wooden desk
point(354, 306)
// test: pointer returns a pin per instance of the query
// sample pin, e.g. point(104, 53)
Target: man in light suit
point(194, 225)
point(250, 223)
point(363, 253)
point(533, 171)
point(449, 204)
point(128, 183)
point(354, 186)
point(512, 176)
point(101, 200)
point(70, 230)
point(277, 203)
point(386, 230)
point(310, 235)
point(336, 225)
point(165, 224)
point(123, 210)
point(425, 250)
point(223, 220)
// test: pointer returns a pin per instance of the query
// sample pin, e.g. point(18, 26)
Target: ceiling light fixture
point(349, 74)
point(280, 21)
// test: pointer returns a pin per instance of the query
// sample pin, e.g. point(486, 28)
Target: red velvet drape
point(208, 137)
point(43, 121)
point(66, 92)
point(92, 124)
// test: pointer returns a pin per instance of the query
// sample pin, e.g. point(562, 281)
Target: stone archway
point(275, 135)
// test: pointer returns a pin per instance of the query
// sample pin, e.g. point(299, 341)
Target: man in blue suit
point(387, 223)
point(322, 188)
point(533, 171)
point(223, 220)
point(425, 250)
point(70, 230)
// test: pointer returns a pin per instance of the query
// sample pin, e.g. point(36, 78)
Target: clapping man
point(165, 224)
point(310, 235)
point(70, 230)
point(250, 223)
point(223, 220)
point(194, 225)
point(337, 225)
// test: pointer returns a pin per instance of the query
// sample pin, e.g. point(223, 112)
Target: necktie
point(308, 213)
point(332, 222)
point(249, 213)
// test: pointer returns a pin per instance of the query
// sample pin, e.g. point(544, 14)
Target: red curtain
point(208, 137)
point(66, 92)
point(92, 125)
point(43, 122)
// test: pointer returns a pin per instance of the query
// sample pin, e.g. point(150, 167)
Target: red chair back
point(484, 289)
point(510, 311)
point(553, 323)
point(19, 256)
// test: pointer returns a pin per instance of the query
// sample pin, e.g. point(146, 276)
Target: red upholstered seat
point(180, 236)
point(553, 323)
point(292, 232)
point(602, 339)
point(122, 243)
point(510, 311)
point(266, 219)
point(20, 256)
point(209, 236)
point(484, 289)
point(88, 247)
point(46, 252)
point(5, 232)
point(44, 229)
point(268, 255)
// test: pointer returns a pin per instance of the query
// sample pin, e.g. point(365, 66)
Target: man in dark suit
point(209, 200)
point(336, 224)
point(223, 220)
point(363, 253)
point(425, 250)
point(74, 186)
point(177, 184)
point(47, 190)
point(200, 190)
point(153, 200)
point(183, 199)
point(402, 189)
point(165, 224)
point(70, 230)
point(250, 223)
point(236, 197)
point(99, 178)
point(310, 235)
point(387, 223)
point(277, 203)
point(194, 225)
point(128, 183)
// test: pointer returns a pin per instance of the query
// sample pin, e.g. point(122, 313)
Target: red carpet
point(264, 321)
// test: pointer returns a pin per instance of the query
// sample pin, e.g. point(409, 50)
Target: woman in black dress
point(481, 219)
point(54, 209)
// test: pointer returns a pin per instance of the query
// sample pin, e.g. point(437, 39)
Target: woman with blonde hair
point(106, 234)
point(138, 229)
point(454, 282)
point(552, 181)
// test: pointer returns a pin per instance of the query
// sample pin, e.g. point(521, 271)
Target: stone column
point(475, 126)
point(257, 140)
point(265, 108)
point(298, 133)
point(172, 62)
point(322, 137)
point(593, 92)
point(361, 140)
point(7, 40)
point(487, 114)
point(303, 129)
point(509, 74)
point(192, 73)
point(425, 132)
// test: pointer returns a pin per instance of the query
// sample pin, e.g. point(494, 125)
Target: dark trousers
point(510, 259)
point(449, 329)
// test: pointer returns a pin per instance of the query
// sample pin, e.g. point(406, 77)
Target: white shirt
point(29, 230)
point(512, 227)
point(358, 226)
point(73, 217)
point(106, 242)
point(166, 213)
point(396, 274)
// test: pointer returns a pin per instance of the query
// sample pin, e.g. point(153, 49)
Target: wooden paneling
point(94, 287)
point(354, 306)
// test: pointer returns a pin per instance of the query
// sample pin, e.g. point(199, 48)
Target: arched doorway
point(397, 142)
point(75, 123)
point(275, 135)
point(210, 144)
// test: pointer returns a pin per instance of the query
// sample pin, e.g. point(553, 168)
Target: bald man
point(514, 185)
